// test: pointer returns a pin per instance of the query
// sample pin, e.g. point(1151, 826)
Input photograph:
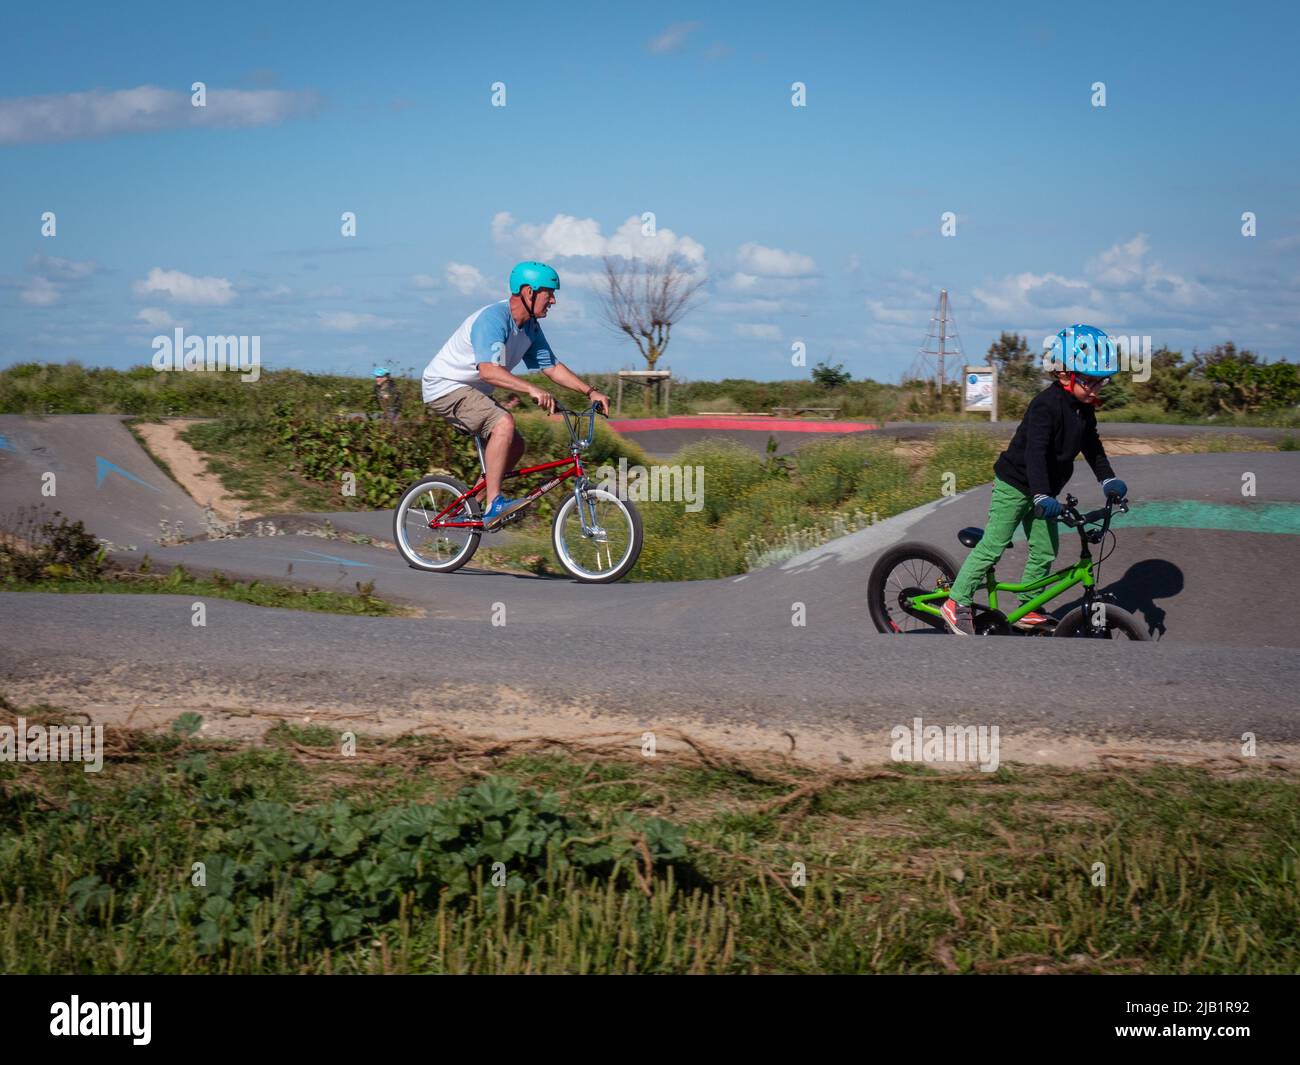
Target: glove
point(1047, 506)
point(1113, 486)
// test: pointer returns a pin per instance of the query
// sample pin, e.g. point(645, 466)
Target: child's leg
point(1044, 538)
point(1006, 509)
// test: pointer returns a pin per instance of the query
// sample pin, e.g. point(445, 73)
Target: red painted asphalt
point(762, 425)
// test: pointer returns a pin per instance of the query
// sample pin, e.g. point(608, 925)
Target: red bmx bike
point(597, 536)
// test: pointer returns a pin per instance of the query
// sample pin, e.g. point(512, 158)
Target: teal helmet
point(536, 275)
point(1087, 350)
point(381, 371)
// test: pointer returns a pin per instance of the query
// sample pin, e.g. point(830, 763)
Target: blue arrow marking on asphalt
point(103, 468)
point(328, 558)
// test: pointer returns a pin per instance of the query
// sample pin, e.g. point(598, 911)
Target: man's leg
point(1006, 509)
point(504, 447)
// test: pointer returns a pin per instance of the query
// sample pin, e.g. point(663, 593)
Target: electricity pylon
point(942, 342)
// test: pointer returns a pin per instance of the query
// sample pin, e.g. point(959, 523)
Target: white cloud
point(157, 318)
point(52, 276)
point(773, 262)
point(757, 331)
point(896, 315)
point(758, 306)
point(423, 281)
point(1027, 294)
point(350, 322)
point(40, 292)
point(181, 287)
point(566, 236)
point(57, 269)
point(747, 283)
point(1127, 267)
point(1120, 266)
point(673, 38)
point(467, 280)
point(144, 109)
point(1120, 284)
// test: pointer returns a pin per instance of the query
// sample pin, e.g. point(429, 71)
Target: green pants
point(1008, 508)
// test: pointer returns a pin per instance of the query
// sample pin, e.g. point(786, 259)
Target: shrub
point(34, 548)
point(730, 470)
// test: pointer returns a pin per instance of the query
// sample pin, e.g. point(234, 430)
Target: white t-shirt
point(487, 335)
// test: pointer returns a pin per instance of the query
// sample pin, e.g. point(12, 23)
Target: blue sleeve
point(488, 334)
point(539, 356)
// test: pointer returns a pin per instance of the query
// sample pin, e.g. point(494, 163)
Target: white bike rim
point(561, 548)
point(403, 544)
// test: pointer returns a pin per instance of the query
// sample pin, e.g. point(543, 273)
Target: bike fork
point(586, 510)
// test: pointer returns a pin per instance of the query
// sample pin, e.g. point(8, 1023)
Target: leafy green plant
point(336, 870)
point(188, 724)
point(831, 377)
point(35, 548)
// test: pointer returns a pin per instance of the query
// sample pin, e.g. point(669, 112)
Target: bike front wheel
point(608, 552)
point(438, 550)
point(1113, 623)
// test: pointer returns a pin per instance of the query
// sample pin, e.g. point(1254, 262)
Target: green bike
point(910, 582)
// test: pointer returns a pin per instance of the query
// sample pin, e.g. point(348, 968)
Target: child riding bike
point(458, 382)
point(1059, 424)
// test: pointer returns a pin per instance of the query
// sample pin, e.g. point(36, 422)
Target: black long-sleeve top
point(1055, 429)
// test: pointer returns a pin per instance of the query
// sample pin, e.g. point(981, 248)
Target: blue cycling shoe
point(501, 508)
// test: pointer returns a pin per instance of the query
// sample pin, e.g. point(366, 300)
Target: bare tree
point(646, 299)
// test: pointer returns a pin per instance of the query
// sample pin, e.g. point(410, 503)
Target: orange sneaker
point(959, 619)
point(1034, 620)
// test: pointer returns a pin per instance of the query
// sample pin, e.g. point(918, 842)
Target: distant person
point(387, 395)
point(1061, 423)
point(457, 384)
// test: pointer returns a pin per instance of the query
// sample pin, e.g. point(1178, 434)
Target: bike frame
point(1049, 587)
point(572, 467)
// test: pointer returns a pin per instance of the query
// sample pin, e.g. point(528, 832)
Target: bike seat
point(970, 536)
point(465, 430)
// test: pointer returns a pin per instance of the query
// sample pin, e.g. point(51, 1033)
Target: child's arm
point(1095, 452)
point(1038, 442)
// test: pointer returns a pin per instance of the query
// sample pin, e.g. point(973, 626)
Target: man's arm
point(500, 377)
point(566, 378)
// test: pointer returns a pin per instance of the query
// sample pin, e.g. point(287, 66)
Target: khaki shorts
point(468, 408)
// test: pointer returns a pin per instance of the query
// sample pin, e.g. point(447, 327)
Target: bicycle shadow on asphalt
point(474, 571)
point(1137, 591)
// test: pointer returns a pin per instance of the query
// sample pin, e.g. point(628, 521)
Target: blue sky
point(818, 224)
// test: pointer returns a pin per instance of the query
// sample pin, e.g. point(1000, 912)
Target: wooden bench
point(825, 412)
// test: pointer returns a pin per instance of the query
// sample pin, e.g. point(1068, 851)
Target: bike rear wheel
point(436, 550)
point(606, 556)
point(902, 571)
point(1116, 624)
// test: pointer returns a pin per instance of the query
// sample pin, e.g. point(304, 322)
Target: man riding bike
point(458, 382)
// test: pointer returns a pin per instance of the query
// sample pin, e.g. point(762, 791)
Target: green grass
point(239, 452)
point(758, 511)
point(255, 592)
point(906, 871)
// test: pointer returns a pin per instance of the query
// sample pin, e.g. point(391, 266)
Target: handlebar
point(1071, 517)
point(593, 409)
point(573, 426)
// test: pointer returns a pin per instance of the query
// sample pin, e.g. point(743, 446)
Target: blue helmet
point(1085, 349)
point(536, 275)
point(381, 371)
